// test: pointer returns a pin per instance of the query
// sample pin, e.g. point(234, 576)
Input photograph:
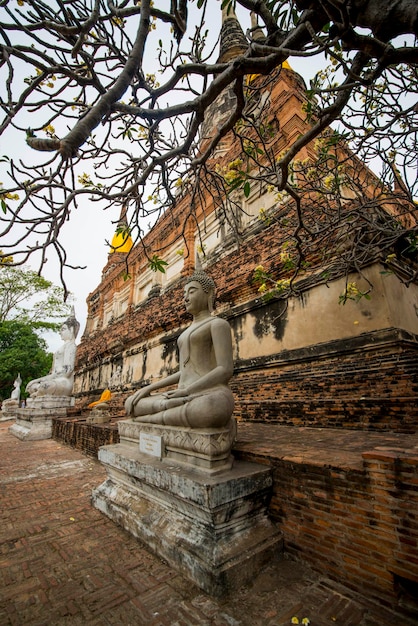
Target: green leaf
point(247, 189)
point(230, 4)
point(156, 264)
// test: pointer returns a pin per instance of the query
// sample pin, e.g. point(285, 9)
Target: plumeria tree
point(22, 352)
point(107, 102)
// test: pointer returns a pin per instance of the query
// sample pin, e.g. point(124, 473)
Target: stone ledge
point(35, 424)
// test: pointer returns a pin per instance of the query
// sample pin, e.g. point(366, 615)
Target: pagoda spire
point(256, 30)
point(232, 39)
point(232, 43)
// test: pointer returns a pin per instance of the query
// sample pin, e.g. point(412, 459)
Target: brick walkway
point(63, 563)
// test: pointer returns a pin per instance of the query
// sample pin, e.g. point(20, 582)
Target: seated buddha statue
point(201, 398)
point(105, 397)
point(14, 399)
point(59, 382)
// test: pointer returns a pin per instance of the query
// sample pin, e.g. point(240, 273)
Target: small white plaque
point(151, 444)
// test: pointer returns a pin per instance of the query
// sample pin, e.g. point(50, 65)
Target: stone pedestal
point(8, 410)
point(211, 526)
point(99, 416)
point(35, 421)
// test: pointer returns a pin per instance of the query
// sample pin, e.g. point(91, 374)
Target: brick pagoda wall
point(305, 361)
point(368, 382)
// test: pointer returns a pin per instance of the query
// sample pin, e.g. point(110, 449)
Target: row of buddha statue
point(198, 395)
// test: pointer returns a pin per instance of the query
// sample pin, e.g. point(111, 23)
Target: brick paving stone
point(63, 563)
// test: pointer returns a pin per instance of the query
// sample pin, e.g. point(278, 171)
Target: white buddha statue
point(14, 399)
point(59, 382)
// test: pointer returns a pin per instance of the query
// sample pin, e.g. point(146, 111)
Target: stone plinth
point(208, 451)
point(50, 402)
point(212, 529)
point(8, 410)
point(35, 421)
point(99, 416)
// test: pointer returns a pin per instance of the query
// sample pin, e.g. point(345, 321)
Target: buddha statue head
point(72, 324)
point(206, 283)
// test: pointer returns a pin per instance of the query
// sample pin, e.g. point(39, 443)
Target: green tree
point(111, 98)
point(29, 304)
point(21, 351)
point(30, 299)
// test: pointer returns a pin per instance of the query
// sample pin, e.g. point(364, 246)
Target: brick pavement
point(63, 563)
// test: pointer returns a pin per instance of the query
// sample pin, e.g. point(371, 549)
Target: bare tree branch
point(81, 85)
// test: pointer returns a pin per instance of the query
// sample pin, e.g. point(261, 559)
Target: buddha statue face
point(66, 332)
point(206, 287)
point(69, 328)
point(195, 298)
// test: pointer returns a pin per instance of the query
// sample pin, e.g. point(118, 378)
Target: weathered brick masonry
point(357, 524)
point(89, 438)
point(345, 384)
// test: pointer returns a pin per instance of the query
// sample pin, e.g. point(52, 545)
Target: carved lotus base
point(208, 450)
